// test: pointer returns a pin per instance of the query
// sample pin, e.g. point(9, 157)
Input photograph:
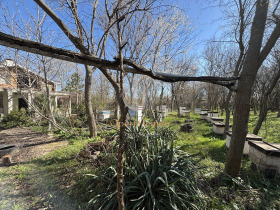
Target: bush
point(16, 118)
point(155, 175)
point(80, 110)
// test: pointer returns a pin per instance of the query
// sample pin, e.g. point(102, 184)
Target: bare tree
point(267, 90)
point(255, 56)
point(93, 53)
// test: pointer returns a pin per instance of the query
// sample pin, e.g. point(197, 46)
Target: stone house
point(19, 87)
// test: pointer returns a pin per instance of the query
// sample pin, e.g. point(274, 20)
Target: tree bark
point(50, 116)
point(121, 152)
point(262, 115)
point(244, 90)
point(227, 113)
point(90, 114)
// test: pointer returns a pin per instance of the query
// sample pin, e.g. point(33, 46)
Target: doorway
point(22, 104)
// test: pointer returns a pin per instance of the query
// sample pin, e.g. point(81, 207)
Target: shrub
point(155, 175)
point(16, 118)
point(81, 112)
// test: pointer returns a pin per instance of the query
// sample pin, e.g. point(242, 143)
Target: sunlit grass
point(208, 151)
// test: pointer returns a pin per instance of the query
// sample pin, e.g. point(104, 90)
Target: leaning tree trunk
point(264, 102)
point(244, 91)
point(90, 114)
point(262, 115)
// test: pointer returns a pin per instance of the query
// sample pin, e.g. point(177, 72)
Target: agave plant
point(155, 175)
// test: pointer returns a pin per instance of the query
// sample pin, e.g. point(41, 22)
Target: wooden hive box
point(266, 156)
point(216, 119)
point(203, 116)
point(186, 113)
point(218, 127)
point(103, 115)
point(197, 110)
point(182, 109)
point(203, 111)
point(212, 114)
point(249, 136)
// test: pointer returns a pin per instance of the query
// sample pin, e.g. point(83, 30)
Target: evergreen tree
point(74, 84)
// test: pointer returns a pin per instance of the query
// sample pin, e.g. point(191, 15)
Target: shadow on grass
point(212, 135)
point(218, 153)
point(215, 152)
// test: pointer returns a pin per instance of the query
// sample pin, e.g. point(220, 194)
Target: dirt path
point(29, 144)
point(27, 185)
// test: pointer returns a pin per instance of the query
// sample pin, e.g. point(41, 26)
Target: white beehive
point(246, 145)
point(103, 115)
point(212, 114)
point(203, 116)
point(135, 112)
point(163, 110)
point(218, 128)
point(265, 155)
point(216, 119)
point(197, 110)
point(182, 109)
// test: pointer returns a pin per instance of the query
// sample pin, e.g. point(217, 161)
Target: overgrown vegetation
point(156, 175)
point(16, 118)
point(166, 169)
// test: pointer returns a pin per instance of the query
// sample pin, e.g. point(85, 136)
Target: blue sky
point(206, 18)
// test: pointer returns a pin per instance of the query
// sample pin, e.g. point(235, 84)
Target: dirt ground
point(29, 144)
point(32, 187)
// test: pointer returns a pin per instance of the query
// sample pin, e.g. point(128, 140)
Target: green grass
point(202, 141)
point(253, 190)
point(270, 127)
point(41, 180)
point(61, 169)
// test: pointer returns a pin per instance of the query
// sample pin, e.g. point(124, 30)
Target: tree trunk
point(227, 113)
point(49, 107)
point(278, 115)
point(264, 102)
point(161, 95)
point(121, 152)
point(262, 115)
point(90, 114)
point(255, 107)
point(244, 90)
point(116, 108)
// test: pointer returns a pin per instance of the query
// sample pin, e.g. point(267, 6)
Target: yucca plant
point(155, 175)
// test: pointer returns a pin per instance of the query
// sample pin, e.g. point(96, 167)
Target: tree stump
point(176, 122)
point(6, 160)
point(186, 128)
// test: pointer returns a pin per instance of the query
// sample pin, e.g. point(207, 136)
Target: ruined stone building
point(20, 86)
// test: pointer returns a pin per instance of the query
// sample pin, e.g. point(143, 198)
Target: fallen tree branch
point(131, 67)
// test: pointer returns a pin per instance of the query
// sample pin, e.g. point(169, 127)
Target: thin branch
point(75, 40)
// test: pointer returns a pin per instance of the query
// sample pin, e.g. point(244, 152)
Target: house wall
point(7, 102)
point(16, 96)
point(11, 83)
